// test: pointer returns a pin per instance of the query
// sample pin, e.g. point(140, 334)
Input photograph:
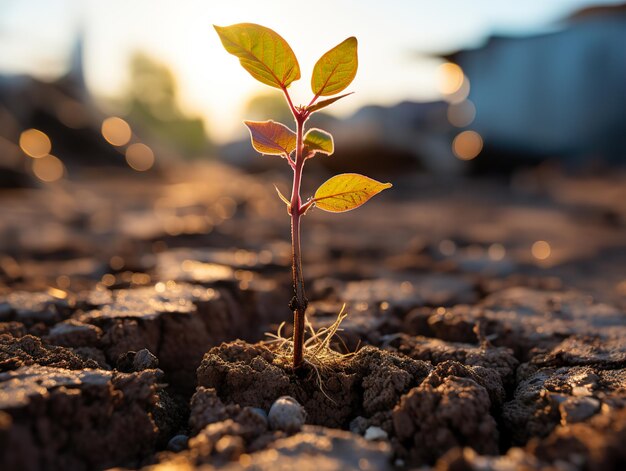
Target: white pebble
point(286, 414)
point(375, 433)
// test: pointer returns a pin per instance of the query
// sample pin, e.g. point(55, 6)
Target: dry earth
point(131, 312)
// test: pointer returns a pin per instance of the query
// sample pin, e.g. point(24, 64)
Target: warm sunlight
point(326, 235)
point(396, 60)
point(209, 81)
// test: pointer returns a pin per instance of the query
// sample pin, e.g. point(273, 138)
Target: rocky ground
point(486, 327)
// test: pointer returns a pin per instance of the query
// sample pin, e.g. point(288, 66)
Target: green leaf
point(324, 103)
point(347, 191)
point(336, 69)
point(262, 52)
point(272, 138)
point(316, 140)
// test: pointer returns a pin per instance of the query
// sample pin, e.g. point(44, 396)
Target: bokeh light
point(541, 250)
point(35, 143)
point(450, 78)
point(467, 145)
point(496, 252)
point(461, 94)
point(108, 279)
point(116, 131)
point(48, 168)
point(140, 278)
point(139, 157)
point(447, 247)
point(63, 281)
point(461, 114)
point(116, 262)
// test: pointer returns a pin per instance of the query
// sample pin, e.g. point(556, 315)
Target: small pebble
point(375, 433)
point(178, 443)
point(577, 409)
point(358, 425)
point(144, 360)
point(287, 414)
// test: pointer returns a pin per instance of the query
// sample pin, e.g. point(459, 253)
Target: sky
point(398, 42)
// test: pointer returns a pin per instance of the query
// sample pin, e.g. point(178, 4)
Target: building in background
point(516, 100)
point(558, 95)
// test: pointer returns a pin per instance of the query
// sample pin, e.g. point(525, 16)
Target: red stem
point(299, 302)
point(293, 109)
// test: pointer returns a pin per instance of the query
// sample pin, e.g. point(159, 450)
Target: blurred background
point(135, 83)
point(121, 121)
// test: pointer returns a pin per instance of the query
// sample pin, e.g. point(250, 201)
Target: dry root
point(317, 352)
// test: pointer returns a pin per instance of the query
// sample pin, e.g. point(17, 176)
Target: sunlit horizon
point(397, 45)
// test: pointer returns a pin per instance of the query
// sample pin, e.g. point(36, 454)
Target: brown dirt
point(596, 445)
point(367, 383)
point(29, 350)
point(76, 419)
point(565, 395)
point(436, 351)
point(433, 418)
point(371, 388)
point(159, 319)
point(464, 359)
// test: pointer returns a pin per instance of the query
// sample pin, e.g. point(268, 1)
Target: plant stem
point(299, 302)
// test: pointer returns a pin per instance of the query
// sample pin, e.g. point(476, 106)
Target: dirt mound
point(411, 402)
point(56, 418)
point(29, 350)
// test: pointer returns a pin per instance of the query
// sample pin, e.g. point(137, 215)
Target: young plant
point(270, 60)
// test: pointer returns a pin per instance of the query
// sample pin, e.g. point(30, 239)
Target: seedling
point(270, 60)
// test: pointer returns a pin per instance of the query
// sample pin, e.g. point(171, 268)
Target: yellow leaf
point(347, 191)
point(316, 140)
point(336, 69)
point(262, 52)
point(270, 137)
